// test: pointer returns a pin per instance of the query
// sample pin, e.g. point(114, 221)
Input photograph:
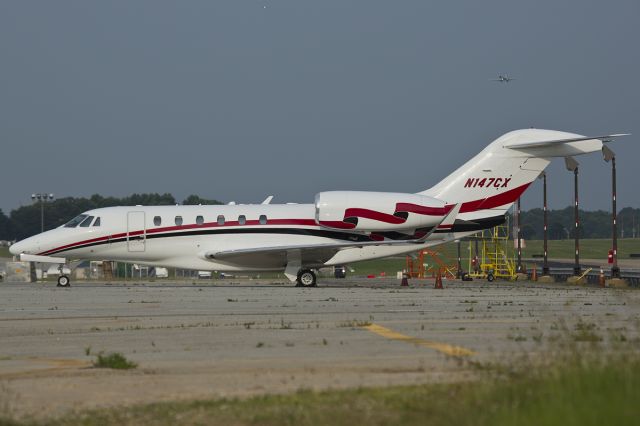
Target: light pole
point(42, 198)
point(572, 166)
point(609, 155)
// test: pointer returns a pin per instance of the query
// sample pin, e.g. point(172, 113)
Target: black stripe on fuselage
point(336, 235)
point(475, 225)
point(459, 226)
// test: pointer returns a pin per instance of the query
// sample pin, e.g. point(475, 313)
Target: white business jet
point(341, 227)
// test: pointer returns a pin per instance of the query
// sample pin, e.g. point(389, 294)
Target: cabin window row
point(242, 220)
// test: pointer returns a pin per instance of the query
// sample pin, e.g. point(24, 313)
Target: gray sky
point(236, 101)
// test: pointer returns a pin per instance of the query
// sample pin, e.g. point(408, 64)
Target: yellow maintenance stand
point(490, 256)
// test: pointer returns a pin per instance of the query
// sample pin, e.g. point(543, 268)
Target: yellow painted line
point(440, 347)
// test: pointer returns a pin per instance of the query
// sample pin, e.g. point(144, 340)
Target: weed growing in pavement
point(114, 360)
point(285, 325)
point(354, 323)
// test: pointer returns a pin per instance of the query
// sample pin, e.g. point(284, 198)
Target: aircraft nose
point(16, 248)
point(29, 245)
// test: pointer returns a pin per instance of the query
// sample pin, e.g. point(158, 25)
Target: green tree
point(4, 226)
point(194, 200)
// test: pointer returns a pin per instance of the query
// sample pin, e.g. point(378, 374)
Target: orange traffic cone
point(534, 273)
point(439, 279)
point(601, 278)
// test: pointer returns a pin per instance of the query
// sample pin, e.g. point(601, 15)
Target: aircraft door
point(136, 231)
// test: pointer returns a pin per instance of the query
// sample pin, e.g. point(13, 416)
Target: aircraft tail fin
point(487, 185)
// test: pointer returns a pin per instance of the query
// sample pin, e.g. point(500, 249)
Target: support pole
point(477, 268)
point(572, 166)
point(576, 266)
point(545, 264)
point(459, 273)
point(615, 271)
point(609, 155)
point(519, 237)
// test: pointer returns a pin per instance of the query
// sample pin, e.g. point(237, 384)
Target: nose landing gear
point(63, 280)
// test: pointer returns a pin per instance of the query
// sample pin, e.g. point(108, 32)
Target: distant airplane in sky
point(503, 78)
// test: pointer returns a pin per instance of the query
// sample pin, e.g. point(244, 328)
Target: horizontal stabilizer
point(536, 144)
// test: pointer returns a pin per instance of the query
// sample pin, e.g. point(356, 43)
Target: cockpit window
point(75, 221)
point(97, 222)
point(87, 222)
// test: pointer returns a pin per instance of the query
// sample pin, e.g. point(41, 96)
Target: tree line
point(591, 224)
point(25, 221)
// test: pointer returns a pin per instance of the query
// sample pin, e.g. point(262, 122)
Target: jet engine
point(378, 211)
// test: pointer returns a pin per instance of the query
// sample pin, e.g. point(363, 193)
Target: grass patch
point(4, 252)
point(113, 360)
point(571, 393)
point(586, 332)
point(558, 249)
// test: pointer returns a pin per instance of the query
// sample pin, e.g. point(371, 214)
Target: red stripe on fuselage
point(495, 200)
point(373, 215)
point(423, 210)
point(299, 222)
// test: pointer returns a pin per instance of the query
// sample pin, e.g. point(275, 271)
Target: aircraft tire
point(63, 281)
point(307, 278)
point(490, 277)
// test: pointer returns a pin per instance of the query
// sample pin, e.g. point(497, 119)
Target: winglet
point(446, 223)
point(450, 218)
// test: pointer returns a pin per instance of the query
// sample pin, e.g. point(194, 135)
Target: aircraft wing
point(320, 253)
point(332, 248)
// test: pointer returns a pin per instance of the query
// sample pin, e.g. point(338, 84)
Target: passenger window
point(221, 220)
point(87, 222)
point(178, 220)
point(199, 220)
point(242, 219)
point(97, 222)
point(157, 220)
point(263, 219)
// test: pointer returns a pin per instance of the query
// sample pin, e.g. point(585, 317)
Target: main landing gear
point(63, 281)
point(306, 278)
